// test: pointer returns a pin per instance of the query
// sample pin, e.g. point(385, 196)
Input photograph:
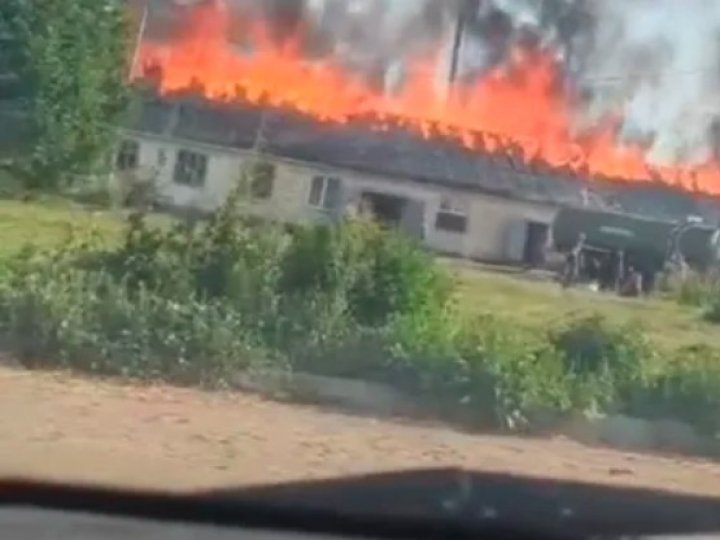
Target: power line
point(673, 73)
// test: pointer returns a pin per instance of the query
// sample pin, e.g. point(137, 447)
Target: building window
point(325, 192)
point(262, 180)
point(161, 157)
point(128, 156)
point(452, 217)
point(190, 168)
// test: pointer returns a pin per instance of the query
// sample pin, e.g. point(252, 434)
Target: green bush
point(380, 273)
point(302, 294)
point(686, 388)
point(526, 372)
point(489, 369)
point(396, 278)
point(605, 363)
point(87, 320)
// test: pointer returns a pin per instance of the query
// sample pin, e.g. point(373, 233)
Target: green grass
point(48, 221)
point(531, 302)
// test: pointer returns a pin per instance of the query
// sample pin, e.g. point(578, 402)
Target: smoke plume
point(653, 64)
point(657, 62)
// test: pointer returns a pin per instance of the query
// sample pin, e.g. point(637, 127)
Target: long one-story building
point(463, 203)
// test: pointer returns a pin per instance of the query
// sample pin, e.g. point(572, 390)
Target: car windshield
point(246, 242)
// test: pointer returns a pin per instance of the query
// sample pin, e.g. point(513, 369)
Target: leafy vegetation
point(201, 303)
point(670, 324)
point(67, 61)
point(699, 291)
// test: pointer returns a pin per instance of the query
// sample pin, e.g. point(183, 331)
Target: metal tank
point(644, 238)
point(700, 245)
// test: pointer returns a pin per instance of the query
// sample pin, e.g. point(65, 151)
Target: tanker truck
point(646, 241)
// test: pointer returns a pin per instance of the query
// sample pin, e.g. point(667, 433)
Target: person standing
point(633, 286)
point(619, 270)
point(571, 272)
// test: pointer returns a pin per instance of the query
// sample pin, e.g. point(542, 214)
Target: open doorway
point(536, 241)
point(386, 209)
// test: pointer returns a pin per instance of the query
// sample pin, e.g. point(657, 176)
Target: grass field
point(535, 302)
point(47, 222)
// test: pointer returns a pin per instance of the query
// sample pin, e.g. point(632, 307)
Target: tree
point(68, 59)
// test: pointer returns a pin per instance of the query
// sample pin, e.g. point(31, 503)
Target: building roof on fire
point(396, 153)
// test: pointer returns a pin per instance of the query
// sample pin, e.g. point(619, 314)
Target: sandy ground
point(58, 427)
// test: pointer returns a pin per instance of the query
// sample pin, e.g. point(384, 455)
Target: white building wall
point(291, 189)
point(223, 170)
point(492, 221)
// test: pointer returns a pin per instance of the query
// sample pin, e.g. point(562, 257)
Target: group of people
point(609, 270)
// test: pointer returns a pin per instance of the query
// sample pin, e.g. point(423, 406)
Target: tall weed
point(605, 363)
point(685, 388)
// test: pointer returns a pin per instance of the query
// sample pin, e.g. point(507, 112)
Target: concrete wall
point(494, 224)
point(291, 188)
point(159, 155)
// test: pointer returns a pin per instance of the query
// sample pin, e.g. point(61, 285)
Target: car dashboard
point(414, 504)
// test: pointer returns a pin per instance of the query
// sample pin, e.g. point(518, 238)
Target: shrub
point(304, 294)
point(497, 373)
point(320, 259)
point(86, 320)
point(606, 363)
point(686, 388)
point(380, 273)
point(519, 370)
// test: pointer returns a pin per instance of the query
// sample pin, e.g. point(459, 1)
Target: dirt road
point(55, 426)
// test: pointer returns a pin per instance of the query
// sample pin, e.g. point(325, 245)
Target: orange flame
point(519, 106)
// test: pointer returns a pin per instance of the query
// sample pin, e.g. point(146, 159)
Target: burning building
point(476, 205)
point(482, 133)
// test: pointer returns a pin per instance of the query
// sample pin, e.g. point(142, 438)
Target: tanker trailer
point(644, 240)
point(700, 246)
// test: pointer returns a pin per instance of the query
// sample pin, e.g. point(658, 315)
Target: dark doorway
point(387, 209)
point(535, 243)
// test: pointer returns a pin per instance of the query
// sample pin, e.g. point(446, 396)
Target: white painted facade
point(496, 228)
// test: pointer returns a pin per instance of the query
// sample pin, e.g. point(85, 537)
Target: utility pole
point(139, 38)
point(466, 8)
point(457, 44)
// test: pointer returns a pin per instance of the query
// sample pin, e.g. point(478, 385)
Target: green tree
point(68, 59)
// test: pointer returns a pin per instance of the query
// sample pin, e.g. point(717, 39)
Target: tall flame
point(520, 106)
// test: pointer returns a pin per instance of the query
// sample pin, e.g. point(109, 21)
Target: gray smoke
point(653, 63)
point(657, 63)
